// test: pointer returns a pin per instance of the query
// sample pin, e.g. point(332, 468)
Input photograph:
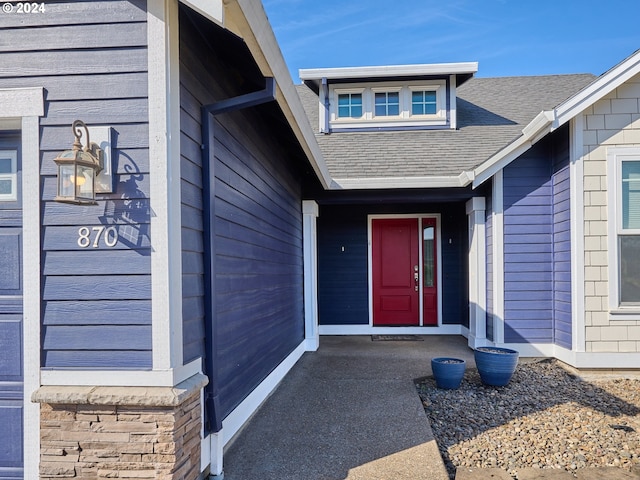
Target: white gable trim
point(548, 121)
point(601, 87)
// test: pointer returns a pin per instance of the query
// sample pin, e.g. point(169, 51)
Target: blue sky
point(506, 37)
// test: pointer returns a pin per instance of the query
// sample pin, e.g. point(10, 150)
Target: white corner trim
point(21, 108)
point(31, 277)
point(310, 212)
point(576, 205)
point(164, 168)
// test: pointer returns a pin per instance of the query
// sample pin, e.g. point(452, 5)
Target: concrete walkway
point(348, 411)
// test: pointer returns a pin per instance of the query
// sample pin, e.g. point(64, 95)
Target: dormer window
point(388, 105)
point(423, 102)
point(392, 97)
point(350, 104)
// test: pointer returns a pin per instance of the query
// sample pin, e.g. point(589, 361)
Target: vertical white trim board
point(21, 108)
point(164, 183)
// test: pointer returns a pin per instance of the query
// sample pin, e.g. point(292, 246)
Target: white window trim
point(615, 157)
point(404, 119)
point(441, 104)
point(385, 118)
point(13, 176)
point(347, 91)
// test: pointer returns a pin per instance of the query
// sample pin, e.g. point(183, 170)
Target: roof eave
point(462, 180)
point(248, 19)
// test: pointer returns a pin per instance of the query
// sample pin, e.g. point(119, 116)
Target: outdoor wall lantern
point(78, 169)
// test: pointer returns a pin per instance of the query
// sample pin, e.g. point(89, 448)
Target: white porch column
point(477, 273)
point(310, 213)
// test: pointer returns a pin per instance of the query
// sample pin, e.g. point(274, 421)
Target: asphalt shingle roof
point(491, 114)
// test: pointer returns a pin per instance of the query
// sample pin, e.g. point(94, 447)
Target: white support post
point(310, 213)
point(477, 273)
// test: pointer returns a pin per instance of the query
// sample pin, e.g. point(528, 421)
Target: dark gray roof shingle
point(491, 114)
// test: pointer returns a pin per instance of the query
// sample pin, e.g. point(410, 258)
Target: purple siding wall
point(489, 273)
point(528, 230)
point(537, 244)
point(562, 255)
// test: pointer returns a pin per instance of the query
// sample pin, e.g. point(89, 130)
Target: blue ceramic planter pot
point(496, 365)
point(448, 372)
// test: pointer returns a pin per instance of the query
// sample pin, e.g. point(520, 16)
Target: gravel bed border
point(544, 418)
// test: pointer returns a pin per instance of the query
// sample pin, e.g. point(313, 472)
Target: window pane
point(5, 187)
point(631, 195)
point(350, 105)
point(630, 269)
point(5, 165)
point(387, 103)
point(428, 260)
point(423, 103)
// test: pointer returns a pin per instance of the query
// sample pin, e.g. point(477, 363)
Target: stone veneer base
point(121, 432)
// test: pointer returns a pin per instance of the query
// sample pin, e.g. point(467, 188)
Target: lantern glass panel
point(66, 181)
point(84, 182)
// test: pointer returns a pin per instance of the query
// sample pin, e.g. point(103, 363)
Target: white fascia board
point(211, 9)
point(390, 71)
point(600, 87)
point(534, 131)
point(250, 19)
point(400, 182)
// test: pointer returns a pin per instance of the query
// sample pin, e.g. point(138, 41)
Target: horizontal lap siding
point(562, 247)
point(258, 261)
point(192, 227)
point(258, 312)
point(91, 58)
point(528, 232)
point(489, 272)
point(342, 267)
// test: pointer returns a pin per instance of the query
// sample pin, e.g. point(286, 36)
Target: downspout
point(212, 414)
point(325, 87)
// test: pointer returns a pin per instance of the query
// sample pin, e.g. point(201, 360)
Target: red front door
point(395, 271)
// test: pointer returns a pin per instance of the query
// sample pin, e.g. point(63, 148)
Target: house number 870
point(110, 237)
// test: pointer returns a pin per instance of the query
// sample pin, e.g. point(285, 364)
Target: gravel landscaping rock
point(544, 418)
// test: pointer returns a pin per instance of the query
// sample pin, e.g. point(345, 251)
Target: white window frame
point(441, 104)
point(404, 119)
point(615, 158)
point(397, 90)
point(12, 177)
point(348, 91)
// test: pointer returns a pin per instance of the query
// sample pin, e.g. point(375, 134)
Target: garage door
point(11, 366)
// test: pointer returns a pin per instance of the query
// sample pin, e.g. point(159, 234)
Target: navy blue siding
point(343, 275)
point(59, 50)
point(528, 230)
point(258, 304)
point(562, 246)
